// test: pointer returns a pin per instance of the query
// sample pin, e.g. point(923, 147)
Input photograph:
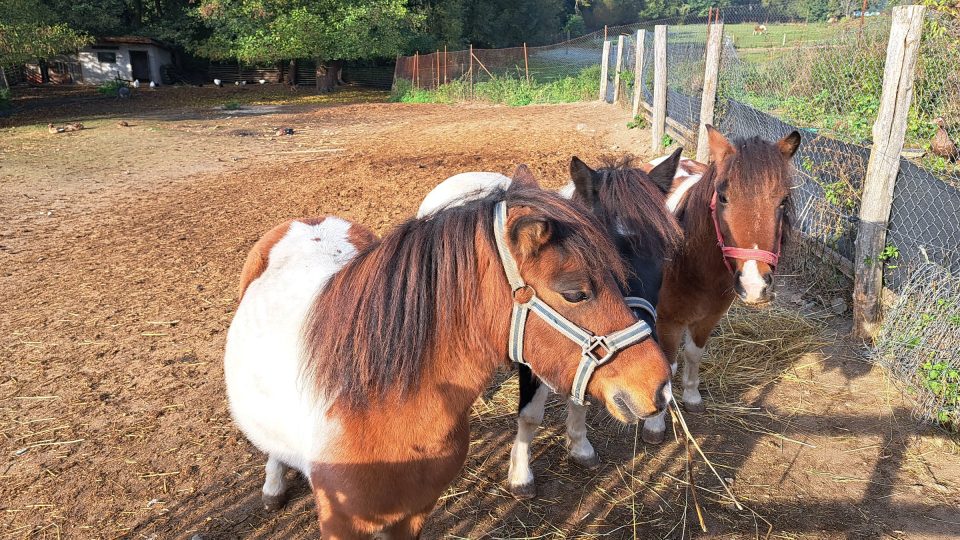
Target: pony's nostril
point(768, 278)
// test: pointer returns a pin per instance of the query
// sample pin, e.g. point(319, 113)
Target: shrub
point(110, 88)
point(5, 102)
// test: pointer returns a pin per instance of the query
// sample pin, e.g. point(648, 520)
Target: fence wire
point(779, 73)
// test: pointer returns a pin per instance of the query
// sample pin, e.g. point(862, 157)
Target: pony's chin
point(759, 303)
point(620, 407)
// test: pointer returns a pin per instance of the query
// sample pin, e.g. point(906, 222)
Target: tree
point(508, 23)
point(29, 31)
point(329, 31)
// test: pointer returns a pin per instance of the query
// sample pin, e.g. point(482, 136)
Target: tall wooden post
point(659, 87)
point(416, 69)
point(526, 64)
point(445, 65)
point(638, 72)
point(471, 70)
point(619, 68)
point(709, 97)
point(889, 131)
point(604, 70)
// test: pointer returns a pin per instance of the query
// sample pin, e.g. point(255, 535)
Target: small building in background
point(126, 57)
point(107, 58)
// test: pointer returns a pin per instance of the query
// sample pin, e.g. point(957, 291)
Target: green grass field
point(743, 37)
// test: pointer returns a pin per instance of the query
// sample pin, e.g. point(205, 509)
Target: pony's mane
point(379, 321)
point(758, 163)
point(653, 229)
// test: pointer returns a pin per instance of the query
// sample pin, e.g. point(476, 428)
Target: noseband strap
point(595, 350)
point(730, 252)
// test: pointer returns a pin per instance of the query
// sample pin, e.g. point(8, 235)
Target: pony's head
point(630, 205)
point(568, 261)
point(751, 182)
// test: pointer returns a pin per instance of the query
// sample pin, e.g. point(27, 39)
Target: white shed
point(124, 57)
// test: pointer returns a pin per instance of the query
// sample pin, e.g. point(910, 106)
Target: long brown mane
point(384, 316)
point(755, 164)
point(653, 231)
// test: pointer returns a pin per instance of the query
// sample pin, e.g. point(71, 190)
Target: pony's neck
point(702, 256)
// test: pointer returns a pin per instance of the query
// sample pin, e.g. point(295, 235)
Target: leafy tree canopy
point(270, 30)
point(29, 31)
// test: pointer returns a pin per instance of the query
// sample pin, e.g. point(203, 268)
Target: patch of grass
point(506, 89)
point(639, 121)
point(232, 106)
point(667, 141)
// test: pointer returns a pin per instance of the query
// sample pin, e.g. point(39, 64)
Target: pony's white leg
point(275, 484)
point(654, 428)
point(520, 476)
point(692, 355)
point(581, 451)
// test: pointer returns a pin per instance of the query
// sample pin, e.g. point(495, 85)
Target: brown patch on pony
point(258, 258)
point(720, 147)
point(398, 304)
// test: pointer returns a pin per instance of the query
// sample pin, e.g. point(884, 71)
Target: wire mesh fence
point(780, 72)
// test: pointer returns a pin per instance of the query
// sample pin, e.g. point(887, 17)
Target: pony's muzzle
point(752, 285)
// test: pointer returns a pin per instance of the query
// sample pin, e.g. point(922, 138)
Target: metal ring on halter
point(590, 344)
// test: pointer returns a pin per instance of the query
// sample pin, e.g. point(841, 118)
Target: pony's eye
point(575, 297)
point(722, 198)
point(784, 202)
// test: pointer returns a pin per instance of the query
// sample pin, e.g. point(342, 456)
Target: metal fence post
point(604, 70)
point(616, 74)
point(637, 72)
point(709, 98)
point(659, 87)
point(889, 131)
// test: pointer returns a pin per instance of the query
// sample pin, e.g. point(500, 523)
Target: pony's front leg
point(581, 451)
point(692, 356)
point(520, 477)
point(275, 484)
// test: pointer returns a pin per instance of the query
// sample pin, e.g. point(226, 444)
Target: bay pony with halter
point(735, 214)
point(355, 361)
point(629, 203)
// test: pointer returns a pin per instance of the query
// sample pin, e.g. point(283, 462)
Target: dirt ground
point(120, 249)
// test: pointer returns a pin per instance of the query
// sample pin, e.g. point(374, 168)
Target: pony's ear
point(720, 147)
point(789, 144)
point(523, 176)
point(662, 175)
point(530, 233)
point(583, 179)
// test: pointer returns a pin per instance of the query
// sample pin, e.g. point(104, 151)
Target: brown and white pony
point(734, 213)
point(631, 205)
point(356, 361)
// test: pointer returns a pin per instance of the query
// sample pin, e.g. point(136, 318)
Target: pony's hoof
point(650, 436)
point(589, 462)
point(695, 408)
point(274, 502)
point(524, 491)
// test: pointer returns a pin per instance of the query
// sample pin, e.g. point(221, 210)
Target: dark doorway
point(140, 65)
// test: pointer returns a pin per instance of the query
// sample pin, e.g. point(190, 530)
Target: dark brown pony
point(750, 181)
point(366, 386)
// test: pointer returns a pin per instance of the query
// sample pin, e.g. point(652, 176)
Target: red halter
point(741, 253)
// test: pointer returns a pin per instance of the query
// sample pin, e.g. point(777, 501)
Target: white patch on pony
point(752, 282)
point(528, 422)
point(577, 442)
point(668, 393)
point(272, 404)
point(692, 355)
point(274, 484)
point(461, 188)
point(567, 191)
point(678, 192)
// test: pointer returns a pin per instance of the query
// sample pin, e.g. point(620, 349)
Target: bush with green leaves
point(5, 102)
point(110, 88)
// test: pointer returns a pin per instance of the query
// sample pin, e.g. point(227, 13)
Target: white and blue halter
point(596, 350)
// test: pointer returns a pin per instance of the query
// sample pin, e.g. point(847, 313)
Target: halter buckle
point(594, 346)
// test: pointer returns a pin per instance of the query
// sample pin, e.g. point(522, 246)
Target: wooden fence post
point(604, 70)
point(526, 64)
point(889, 131)
point(637, 72)
point(709, 97)
point(619, 68)
point(471, 70)
point(659, 87)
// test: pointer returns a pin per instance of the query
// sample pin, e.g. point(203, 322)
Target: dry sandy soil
point(120, 249)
